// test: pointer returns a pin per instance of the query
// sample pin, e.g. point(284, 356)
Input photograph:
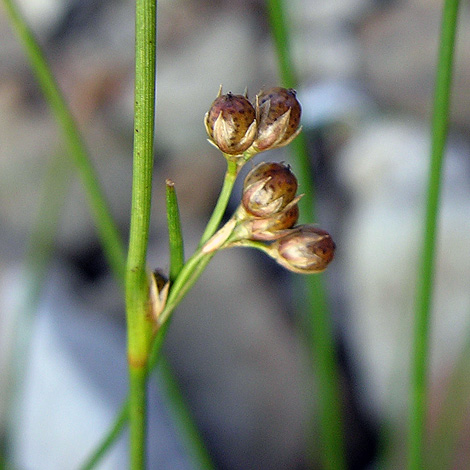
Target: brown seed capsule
point(278, 114)
point(268, 189)
point(306, 249)
point(231, 123)
point(276, 226)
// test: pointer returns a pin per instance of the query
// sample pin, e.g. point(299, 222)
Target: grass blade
point(175, 237)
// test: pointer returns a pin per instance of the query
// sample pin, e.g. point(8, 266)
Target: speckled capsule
point(276, 226)
point(268, 189)
point(306, 249)
point(279, 114)
point(231, 123)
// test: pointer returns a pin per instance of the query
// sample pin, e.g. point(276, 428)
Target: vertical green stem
point(325, 367)
point(320, 328)
point(440, 122)
point(281, 38)
point(107, 230)
point(137, 289)
point(138, 417)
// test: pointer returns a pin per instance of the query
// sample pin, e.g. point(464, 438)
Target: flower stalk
point(139, 327)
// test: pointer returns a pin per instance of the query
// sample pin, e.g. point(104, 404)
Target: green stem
point(184, 420)
point(194, 267)
point(185, 280)
point(440, 122)
point(111, 240)
point(233, 169)
point(123, 416)
point(281, 39)
point(137, 416)
point(139, 329)
point(108, 232)
point(326, 372)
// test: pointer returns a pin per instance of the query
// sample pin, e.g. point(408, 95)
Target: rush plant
point(266, 219)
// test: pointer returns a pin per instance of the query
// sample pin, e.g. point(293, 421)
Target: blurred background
point(366, 70)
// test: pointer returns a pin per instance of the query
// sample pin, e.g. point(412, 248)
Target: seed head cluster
point(268, 212)
point(239, 128)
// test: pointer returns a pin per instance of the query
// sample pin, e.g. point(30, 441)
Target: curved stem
point(194, 267)
point(184, 282)
point(231, 174)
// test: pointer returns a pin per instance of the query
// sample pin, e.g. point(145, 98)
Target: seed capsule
point(268, 189)
point(231, 123)
point(306, 249)
point(276, 226)
point(278, 113)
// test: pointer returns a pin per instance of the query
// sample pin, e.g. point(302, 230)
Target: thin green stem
point(175, 237)
point(139, 329)
point(326, 372)
point(424, 290)
point(137, 416)
point(109, 234)
point(184, 420)
point(186, 278)
point(319, 325)
point(123, 416)
point(233, 169)
point(180, 411)
point(281, 38)
point(194, 267)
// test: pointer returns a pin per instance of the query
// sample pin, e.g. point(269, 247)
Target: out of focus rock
point(242, 366)
point(72, 383)
point(399, 55)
